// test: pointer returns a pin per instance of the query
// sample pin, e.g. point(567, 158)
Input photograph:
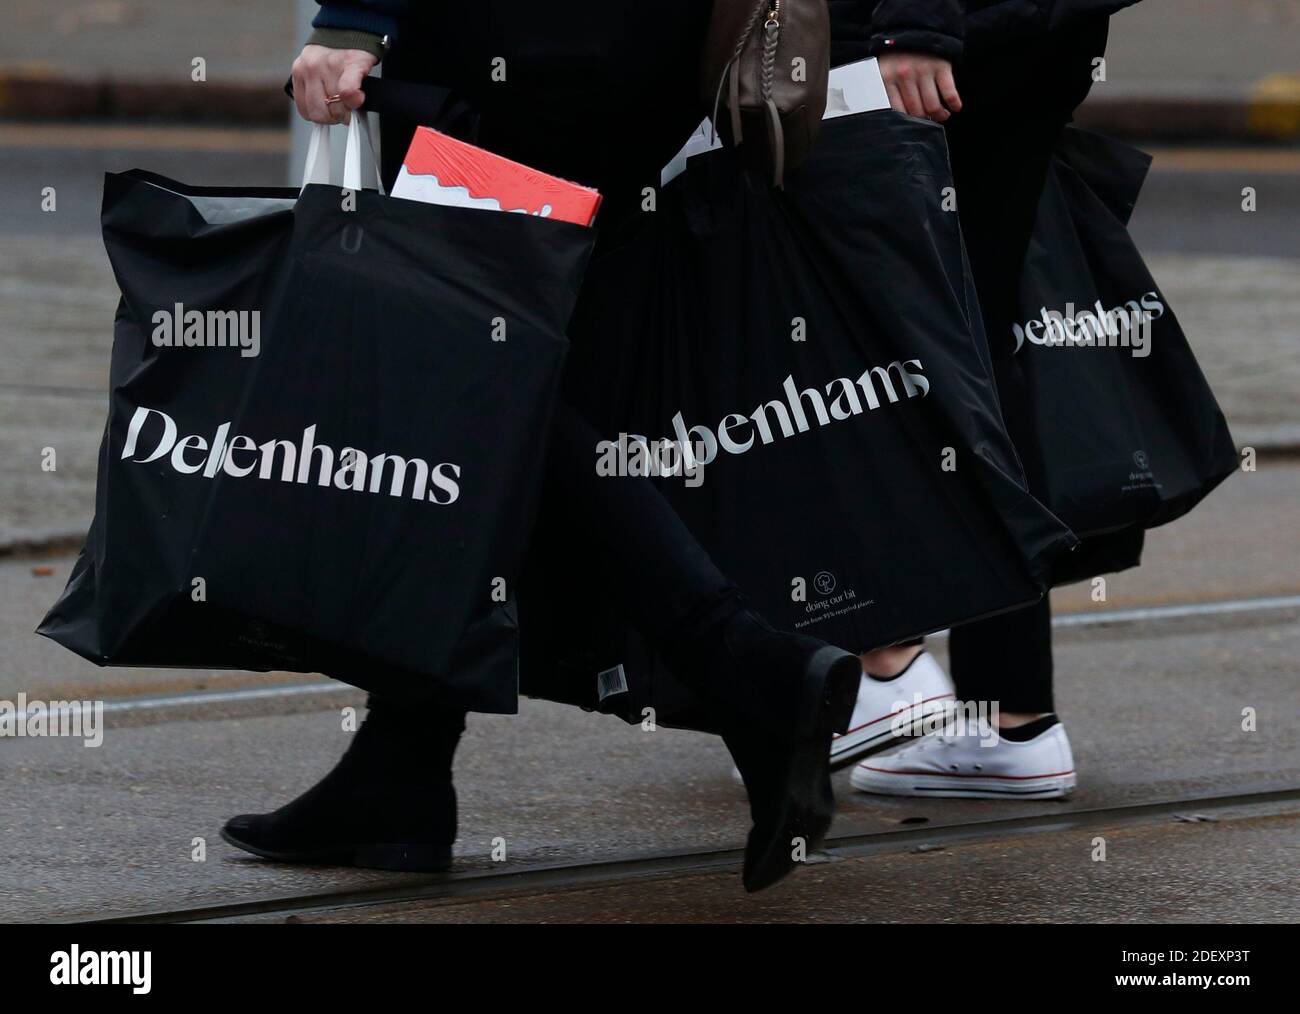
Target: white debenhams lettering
point(1124, 326)
point(74, 967)
point(239, 456)
point(208, 329)
point(845, 397)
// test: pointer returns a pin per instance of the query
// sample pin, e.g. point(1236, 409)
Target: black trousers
point(661, 579)
point(1015, 104)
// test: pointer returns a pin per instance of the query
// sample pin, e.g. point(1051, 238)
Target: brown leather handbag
point(767, 62)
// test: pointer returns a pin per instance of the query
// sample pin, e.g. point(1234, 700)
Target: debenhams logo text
point(239, 456)
point(1127, 326)
point(780, 418)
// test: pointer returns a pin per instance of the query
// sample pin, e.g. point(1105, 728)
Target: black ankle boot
point(781, 696)
point(388, 803)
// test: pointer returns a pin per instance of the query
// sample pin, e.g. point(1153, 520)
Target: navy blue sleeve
point(379, 17)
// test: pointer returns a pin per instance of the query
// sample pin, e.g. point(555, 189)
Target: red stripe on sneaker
point(893, 714)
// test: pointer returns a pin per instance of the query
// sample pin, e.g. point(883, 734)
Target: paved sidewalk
point(240, 40)
point(1201, 69)
point(1202, 48)
point(115, 825)
point(1237, 869)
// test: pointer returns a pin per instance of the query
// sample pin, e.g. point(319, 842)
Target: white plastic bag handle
point(317, 168)
point(358, 173)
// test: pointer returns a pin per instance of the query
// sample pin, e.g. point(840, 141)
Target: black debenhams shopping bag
point(818, 350)
point(1129, 433)
point(351, 488)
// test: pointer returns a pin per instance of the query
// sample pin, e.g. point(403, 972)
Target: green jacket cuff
point(342, 38)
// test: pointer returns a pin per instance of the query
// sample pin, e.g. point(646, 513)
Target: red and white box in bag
point(439, 169)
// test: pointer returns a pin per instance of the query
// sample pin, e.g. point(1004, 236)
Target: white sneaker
point(973, 764)
point(890, 710)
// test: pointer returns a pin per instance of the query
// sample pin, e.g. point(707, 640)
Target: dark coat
point(604, 92)
point(947, 28)
point(859, 27)
point(594, 90)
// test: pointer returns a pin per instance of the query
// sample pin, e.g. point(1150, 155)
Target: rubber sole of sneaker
point(400, 857)
point(847, 749)
point(854, 746)
point(1046, 787)
point(806, 805)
